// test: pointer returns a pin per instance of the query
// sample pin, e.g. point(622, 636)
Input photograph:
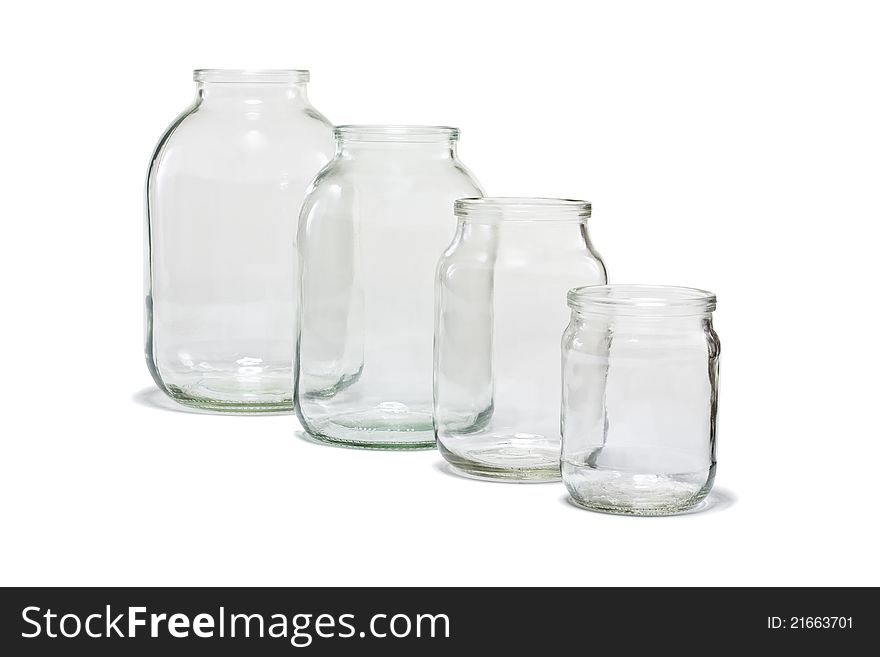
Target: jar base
point(238, 407)
point(636, 494)
point(385, 426)
point(519, 457)
point(228, 387)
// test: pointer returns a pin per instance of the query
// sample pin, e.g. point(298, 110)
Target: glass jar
point(640, 398)
point(500, 302)
point(224, 190)
point(371, 229)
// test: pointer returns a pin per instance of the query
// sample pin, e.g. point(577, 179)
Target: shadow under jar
point(224, 191)
point(640, 398)
point(371, 229)
point(501, 288)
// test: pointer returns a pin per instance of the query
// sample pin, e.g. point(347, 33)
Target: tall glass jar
point(224, 190)
point(500, 302)
point(640, 400)
point(371, 229)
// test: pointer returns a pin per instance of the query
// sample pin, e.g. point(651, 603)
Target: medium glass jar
point(640, 398)
point(500, 302)
point(371, 229)
point(224, 191)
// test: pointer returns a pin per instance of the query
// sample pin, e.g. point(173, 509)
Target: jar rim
point(521, 208)
point(247, 75)
point(642, 300)
point(396, 133)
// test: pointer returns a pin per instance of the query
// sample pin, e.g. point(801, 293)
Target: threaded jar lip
point(396, 133)
point(245, 75)
point(515, 208)
point(642, 300)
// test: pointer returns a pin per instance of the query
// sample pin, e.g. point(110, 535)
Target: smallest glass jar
point(640, 398)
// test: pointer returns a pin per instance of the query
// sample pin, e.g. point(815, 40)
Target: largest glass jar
point(224, 191)
point(371, 230)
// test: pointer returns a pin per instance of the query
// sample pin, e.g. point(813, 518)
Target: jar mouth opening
point(642, 300)
point(251, 76)
point(513, 208)
point(397, 133)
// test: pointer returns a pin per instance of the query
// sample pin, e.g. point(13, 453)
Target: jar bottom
point(228, 390)
point(504, 456)
point(627, 493)
point(388, 425)
point(238, 408)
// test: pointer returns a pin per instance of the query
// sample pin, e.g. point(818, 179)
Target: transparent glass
point(640, 398)
point(500, 303)
point(224, 191)
point(371, 229)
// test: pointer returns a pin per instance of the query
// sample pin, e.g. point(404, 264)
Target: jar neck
point(395, 142)
point(511, 211)
point(346, 149)
point(536, 225)
point(253, 96)
point(653, 304)
point(642, 323)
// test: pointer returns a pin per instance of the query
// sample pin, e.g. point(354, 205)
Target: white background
point(731, 146)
